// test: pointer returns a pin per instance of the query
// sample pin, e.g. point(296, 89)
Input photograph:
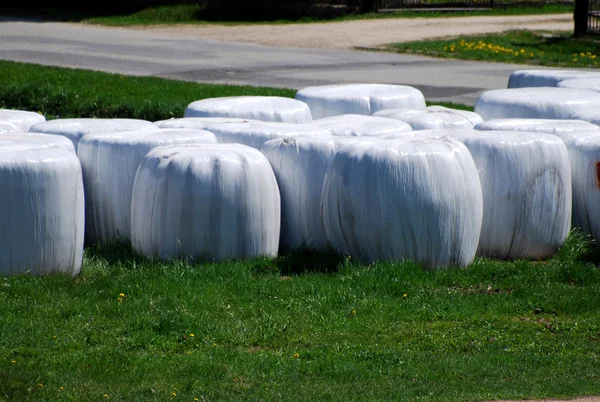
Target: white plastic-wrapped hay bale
point(366, 99)
point(414, 200)
point(37, 141)
point(110, 162)
point(210, 202)
point(534, 103)
point(548, 126)
point(526, 183)
point(8, 128)
point(74, 129)
point(585, 162)
point(21, 118)
point(545, 78)
point(256, 134)
point(527, 194)
point(356, 125)
point(591, 84)
point(589, 114)
point(263, 108)
point(299, 165)
point(199, 123)
point(433, 117)
point(41, 212)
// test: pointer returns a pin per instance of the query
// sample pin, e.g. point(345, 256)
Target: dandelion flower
point(13, 361)
point(405, 295)
point(121, 294)
point(296, 355)
point(40, 385)
point(192, 335)
point(105, 395)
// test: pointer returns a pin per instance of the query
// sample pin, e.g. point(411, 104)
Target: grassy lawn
point(302, 326)
point(195, 14)
point(306, 327)
point(60, 92)
point(524, 47)
point(63, 92)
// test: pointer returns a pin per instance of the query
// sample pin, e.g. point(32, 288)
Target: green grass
point(61, 92)
point(196, 14)
point(306, 326)
point(524, 47)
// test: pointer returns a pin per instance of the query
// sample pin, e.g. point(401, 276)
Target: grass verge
point(196, 14)
point(305, 326)
point(61, 93)
point(523, 47)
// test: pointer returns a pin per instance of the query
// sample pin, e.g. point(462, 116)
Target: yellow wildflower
point(296, 355)
point(121, 294)
point(192, 335)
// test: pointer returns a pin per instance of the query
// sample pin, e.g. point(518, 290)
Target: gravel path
point(364, 33)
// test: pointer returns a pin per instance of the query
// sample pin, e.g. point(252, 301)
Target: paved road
point(151, 53)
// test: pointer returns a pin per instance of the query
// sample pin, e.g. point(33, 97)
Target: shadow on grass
point(307, 260)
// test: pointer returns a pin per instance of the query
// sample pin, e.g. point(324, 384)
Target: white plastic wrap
point(41, 210)
point(366, 99)
point(109, 163)
point(545, 78)
point(9, 128)
point(74, 129)
point(417, 200)
point(526, 182)
point(527, 193)
point(209, 202)
point(199, 123)
point(534, 103)
point(591, 84)
point(589, 114)
point(21, 118)
point(263, 108)
point(256, 134)
point(548, 126)
point(360, 125)
point(433, 117)
point(585, 162)
point(37, 141)
point(299, 165)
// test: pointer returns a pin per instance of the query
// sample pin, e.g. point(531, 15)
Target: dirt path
point(365, 33)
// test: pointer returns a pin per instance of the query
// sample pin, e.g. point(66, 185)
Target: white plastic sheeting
point(591, 84)
point(74, 129)
point(589, 114)
point(433, 117)
point(366, 99)
point(360, 125)
point(585, 162)
point(263, 108)
point(7, 127)
point(299, 165)
point(414, 200)
point(21, 118)
point(41, 211)
point(199, 123)
point(545, 78)
point(110, 162)
point(210, 202)
point(256, 134)
point(548, 126)
point(534, 103)
point(37, 141)
point(526, 183)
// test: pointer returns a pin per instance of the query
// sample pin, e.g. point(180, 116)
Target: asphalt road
point(149, 53)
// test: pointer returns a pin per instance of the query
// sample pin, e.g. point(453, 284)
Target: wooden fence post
point(582, 8)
